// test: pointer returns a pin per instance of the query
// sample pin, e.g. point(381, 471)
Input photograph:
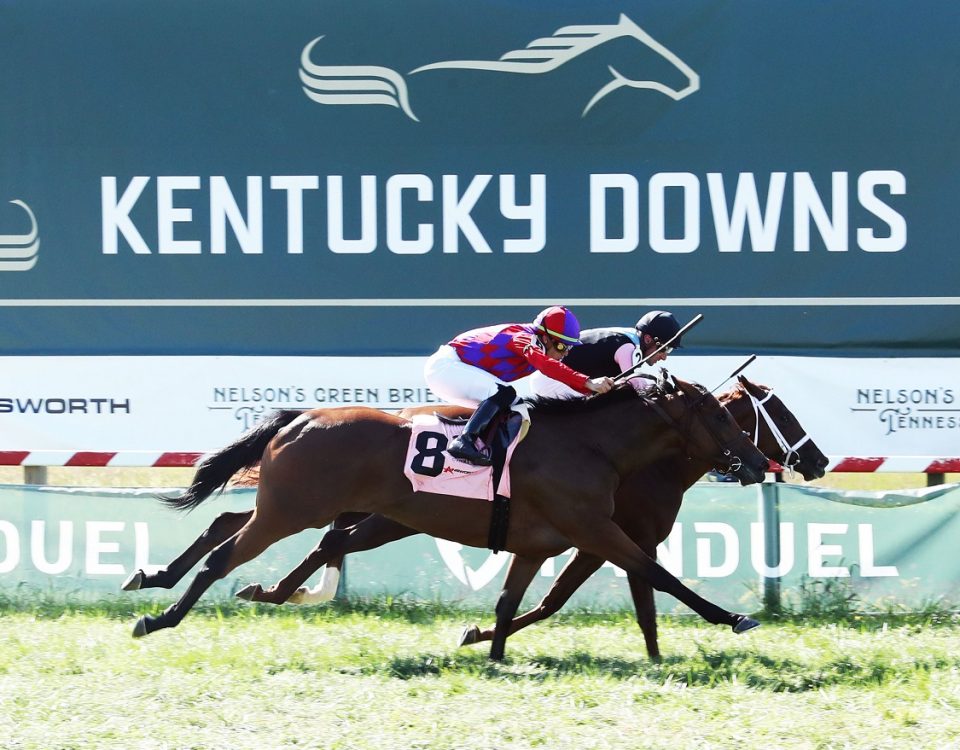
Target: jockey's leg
point(464, 446)
point(544, 385)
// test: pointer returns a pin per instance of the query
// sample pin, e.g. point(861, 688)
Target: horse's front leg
point(519, 575)
point(372, 532)
point(646, 609)
point(603, 537)
point(577, 570)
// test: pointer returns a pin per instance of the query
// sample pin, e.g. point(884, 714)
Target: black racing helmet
point(661, 325)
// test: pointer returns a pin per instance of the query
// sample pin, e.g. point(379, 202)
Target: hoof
point(470, 634)
point(140, 629)
point(249, 592)
point(744, 624)
point(134, 581)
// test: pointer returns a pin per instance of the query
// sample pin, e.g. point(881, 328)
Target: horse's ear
point(743, 380)
point(666, 381)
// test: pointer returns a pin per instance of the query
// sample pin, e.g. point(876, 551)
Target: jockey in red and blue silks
point(475, 368)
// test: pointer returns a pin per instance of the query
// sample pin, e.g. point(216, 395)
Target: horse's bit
point(734, 463)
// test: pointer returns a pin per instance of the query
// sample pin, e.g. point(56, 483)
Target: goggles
point(666, 349)
point(560, 346)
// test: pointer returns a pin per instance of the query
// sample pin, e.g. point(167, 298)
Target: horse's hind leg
point(223, 527)
point(577, 570)
point(374, 531)
point(326, 590)
point(250, 541)
point(646, 608)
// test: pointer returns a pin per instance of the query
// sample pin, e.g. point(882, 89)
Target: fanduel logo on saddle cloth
point(431, 469)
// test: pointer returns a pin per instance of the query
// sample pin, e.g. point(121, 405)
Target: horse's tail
point(215, 471)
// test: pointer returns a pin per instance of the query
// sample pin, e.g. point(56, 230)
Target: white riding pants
point(542, 385)
point(457, 382)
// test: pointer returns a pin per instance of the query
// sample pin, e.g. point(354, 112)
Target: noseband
point(790, 455)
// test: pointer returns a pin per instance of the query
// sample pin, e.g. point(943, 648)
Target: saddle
point(431, 469)
point(507, 426)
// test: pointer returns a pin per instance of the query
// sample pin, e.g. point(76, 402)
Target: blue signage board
point(373, 177)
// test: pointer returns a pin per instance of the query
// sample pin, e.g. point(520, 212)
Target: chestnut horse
point(647, 504)
point(318, 464)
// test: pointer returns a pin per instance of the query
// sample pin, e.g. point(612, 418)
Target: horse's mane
point(577, 405)
point(735, 393)
point(739, 390)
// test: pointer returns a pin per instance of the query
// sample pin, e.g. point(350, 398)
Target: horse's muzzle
point(748, 473)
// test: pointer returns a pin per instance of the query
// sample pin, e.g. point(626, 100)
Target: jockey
point(474, 368)
point(610, 351)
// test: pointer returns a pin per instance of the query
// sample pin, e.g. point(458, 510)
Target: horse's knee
point(502, 601)
point(545, 610)
point(656, 577)
point(333, 542)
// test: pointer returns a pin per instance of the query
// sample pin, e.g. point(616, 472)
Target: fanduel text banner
point(85, 543)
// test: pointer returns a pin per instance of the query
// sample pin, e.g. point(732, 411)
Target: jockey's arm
point(526, 346)
point(624, 359)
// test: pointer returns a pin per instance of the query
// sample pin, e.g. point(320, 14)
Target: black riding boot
point(464, 446)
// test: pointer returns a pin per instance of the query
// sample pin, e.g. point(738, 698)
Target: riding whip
point(736, 372)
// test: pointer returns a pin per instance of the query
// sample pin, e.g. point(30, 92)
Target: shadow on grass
point(47, 604)
point(706, 669)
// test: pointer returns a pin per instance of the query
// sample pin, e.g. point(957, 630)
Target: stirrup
point(463, 448)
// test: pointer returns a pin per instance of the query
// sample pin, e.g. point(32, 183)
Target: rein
point(733, 462)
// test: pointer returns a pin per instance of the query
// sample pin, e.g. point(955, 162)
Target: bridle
point(789, 451)
point(734, 462)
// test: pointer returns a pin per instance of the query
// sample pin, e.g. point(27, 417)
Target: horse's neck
point(630, 436)
point(637, 436)
point(692, 470)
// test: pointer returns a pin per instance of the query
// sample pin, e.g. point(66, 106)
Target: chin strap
point(789, 451)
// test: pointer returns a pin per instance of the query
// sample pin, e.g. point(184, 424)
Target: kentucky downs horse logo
point(18, 252)
point(372, 84)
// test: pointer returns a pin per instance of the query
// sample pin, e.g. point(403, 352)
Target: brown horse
point(647, 504)
point(318, 464)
